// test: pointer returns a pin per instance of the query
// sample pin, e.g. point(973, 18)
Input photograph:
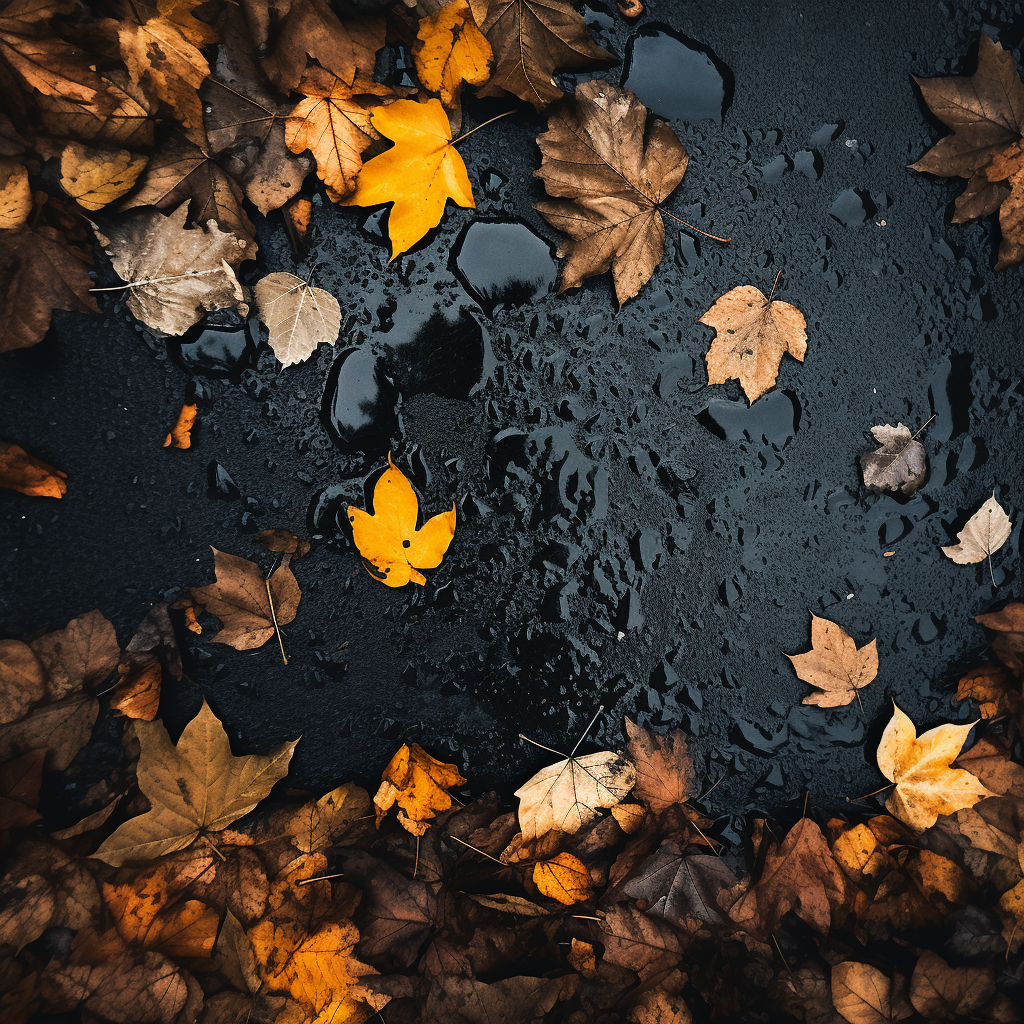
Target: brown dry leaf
point(864, 995)
point(994, 824)
point(858, 852)
point(664, 770)
point(835, 665)
point(517, 905)
point(242, 602)
point(322, 822)
point(154, 639)
point(518, 1000)
point(282, 542)
point(926, 785)
point(1008, 643)
point(124, 120)
point(42, 270)
point(174, 274)
point(298, 316)
point(752, 334)
point(22, 472)
point(632, 939)
point(80, 655)
point(15, 195)
point(940, 992)
point(138, 694)
point(609, 174)
point(195, 787)
point(94, 177)
point(346, 48)
point(985, 533)
point(450, 50)
point(986, 112)
point(564, 878)
point(333, 122)
point(418, 783)
point(20, 782)
point(181, 433)
point(993, 688)
point(63, 728)
point(581, 956)
point(567, 795)
point(318, 970)
point(531, 40)
point(990, 761)
point(656, 1006)
point(27, 906)
point(899, 465)
point(799, 875)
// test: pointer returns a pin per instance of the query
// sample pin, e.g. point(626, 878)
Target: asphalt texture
point(628, 536)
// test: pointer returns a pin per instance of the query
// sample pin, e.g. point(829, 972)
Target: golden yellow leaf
point(418, 175)
point(450, 50)
point(926, 785)
point(15, 195)
point(752, 334)
point(564, 878)
point(22, 472)
point(181, 433)
point(416, 782)
point(388, 539)
point(95, 177)
point(834, 665)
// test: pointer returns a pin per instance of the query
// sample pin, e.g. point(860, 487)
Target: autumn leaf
point(181, 433)
point(95, 177)
point(752, 334)
point(986, 112)
point(174, 274)
point(835, 665)
point(418, 175)
point(15, 195)
point(864, 995)
point(985, 533)
point(22, 680)
point(450, 50)
point(898, 465)
point(22, 472)
point(664, 770)
point(195, 787)
point(298, 316)
point(564, 878)
point(81, 655)
point(283, 542)
point(532, 39)
point(388, 538)
point(1008, 643)
point(609, 174)
point(418, 783)
point(926, 785)
point(567, 795)
point(940, 992)
point(125, 118)
point(241, 599)
point(321, 822)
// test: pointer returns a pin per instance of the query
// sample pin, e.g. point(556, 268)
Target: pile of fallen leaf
point(195, 888)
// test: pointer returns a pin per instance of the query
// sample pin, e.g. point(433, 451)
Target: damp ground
point(628, 536)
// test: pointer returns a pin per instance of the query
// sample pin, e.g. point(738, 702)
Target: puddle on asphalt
point(773, 419)
point(220, 345)
point(853, 207)
point(360, 404)
point(677, 77)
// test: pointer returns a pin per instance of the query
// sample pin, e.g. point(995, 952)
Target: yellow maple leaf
point(388, 539)
point(450, 50)
point(418, 175)
point(418, 783)
point(926, 785)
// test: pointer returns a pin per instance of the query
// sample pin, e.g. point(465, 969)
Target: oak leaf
point(664, 770)
point(95, 177)
point(242, 601)
point(15, 195)
point(564, 878)
point(22, 472)
point(418, 783)
point(418, 175)
point(333, 122)
point(181, 433)
point(752, 334)
point(898, 465)
point(864, 995)
point(985, 533)
point(926, 785)
point(532, 39)
point(835, 665)
point(609, 175)
point(986, 112)
point(388, 538)
point(298, 316)
point(174, 274)
point(567, 795)
point(195, 787)
point(450, 50)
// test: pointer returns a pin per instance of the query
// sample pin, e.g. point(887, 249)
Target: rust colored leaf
point(864, 995)
point(564, 878)
point(993, 688)
point(282, 542)
point(609, 174)
point(138, 693)
point(1008, 643)
point(181, 433)
point(418, 783)
point(22, 680)
point(22, 472)
point(80, 655)
point(322, 822)
point(834, 665)
point(664, 770)
point(940, 992)
point(241, 601)
point(638, 942)
point(450, 50)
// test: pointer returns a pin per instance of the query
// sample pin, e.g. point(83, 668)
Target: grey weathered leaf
point(899, 465)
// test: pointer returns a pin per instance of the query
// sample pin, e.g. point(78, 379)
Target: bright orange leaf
point(181, 433)
point(450, 50)
point(419, 174)
point(20, 471)
point(418, 783)
point(564, 878)
point(388, 539)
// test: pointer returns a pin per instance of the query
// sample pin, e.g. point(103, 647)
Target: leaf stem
point(475, 850)
point(585, 731)
point(466, 135)
point(542, 747)
point(320, 878)
point(692, 227)
point(875, 792)
point(926, 422)
point(159, 280)
point(273, 615)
